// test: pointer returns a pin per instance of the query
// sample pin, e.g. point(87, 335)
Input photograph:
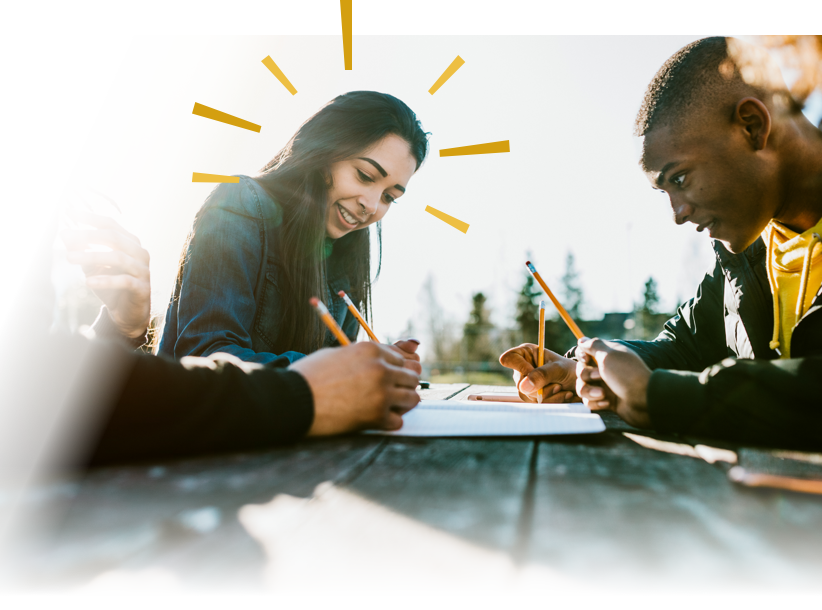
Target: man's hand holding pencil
point(608, 375)
point(612, 376)
point(557, 377)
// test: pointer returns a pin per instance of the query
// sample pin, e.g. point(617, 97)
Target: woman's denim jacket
point(227, 298)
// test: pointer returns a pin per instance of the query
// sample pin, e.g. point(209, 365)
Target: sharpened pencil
point(325, 316)
point(564, 314)
point(355, 312)
point(541, 343)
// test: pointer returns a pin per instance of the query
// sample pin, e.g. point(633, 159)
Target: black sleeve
point(694, 338)
point(764, 402)
point(202, 405)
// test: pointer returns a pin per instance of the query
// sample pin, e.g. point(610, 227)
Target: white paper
point(434, 418)
point(487, 405)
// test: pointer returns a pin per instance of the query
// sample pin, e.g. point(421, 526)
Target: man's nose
point(682, 211)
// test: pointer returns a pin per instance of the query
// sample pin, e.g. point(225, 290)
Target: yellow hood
point(795, 274)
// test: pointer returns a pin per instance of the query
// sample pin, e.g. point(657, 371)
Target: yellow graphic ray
point(454, 222)
point(275, 70)
point(449, 72)
point(222, 117)
point(477, 149)
point(198, 177)
point(345, 14)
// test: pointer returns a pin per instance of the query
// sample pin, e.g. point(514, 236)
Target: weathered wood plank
point(435, 510)
point(180, 515)
point(468, 488)
point(636, 516)
point(428, 515)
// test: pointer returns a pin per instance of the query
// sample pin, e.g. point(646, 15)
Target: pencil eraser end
point(314, 301)
point(341, 293)
point(527, 262)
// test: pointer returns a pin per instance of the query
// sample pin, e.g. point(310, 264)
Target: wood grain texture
point(468, 488)
point(589, 510)
point(134, 517)
point(641, 517)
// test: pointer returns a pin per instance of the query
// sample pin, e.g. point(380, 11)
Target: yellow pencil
point(567, 318)
point(738, 474)
point(357, 315)
point(541, 342)
point(325, 316)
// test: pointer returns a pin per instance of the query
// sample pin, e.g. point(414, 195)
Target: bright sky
point(570, 182)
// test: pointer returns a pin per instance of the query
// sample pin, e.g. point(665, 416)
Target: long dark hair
point(298, 179)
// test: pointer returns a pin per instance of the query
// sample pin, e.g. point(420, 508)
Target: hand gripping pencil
point(357, 315)
point(541, 341)
point(325, 316)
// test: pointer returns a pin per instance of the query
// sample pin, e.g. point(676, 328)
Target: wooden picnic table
point(493, 514)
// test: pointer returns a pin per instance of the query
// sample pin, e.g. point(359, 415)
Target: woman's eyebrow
point(375, 164)
point(382, 171)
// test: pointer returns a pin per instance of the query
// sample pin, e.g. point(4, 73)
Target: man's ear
point(753, 116)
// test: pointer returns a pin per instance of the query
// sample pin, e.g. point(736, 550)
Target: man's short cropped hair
point(706, 72)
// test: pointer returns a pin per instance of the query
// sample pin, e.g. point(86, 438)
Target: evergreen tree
point(558, 337)
point(477, 330)
point(650, 297)
point(572, 292)
point(646, 312)
point(527, 312)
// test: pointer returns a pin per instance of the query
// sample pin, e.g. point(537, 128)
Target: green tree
point(650, 297)
point(527, 311)
point(571, 290)
point(646, 312)
point(476, 332)
point(558, 337)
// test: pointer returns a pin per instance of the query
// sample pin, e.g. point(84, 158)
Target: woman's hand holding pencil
point(359, 386)
point(407, 348)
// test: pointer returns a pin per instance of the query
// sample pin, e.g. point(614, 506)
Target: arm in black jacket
point(695, 389)
point(694, 338)
point(201, 405)
point(766, 402)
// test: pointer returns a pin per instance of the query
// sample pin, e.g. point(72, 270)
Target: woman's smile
point(348, 219)
point(369, 183)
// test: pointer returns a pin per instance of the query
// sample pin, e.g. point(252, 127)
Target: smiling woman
point(259, 249)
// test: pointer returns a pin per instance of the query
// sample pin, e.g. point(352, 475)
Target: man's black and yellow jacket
point(714, 373)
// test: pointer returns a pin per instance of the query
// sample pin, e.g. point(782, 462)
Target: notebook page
point(501, 407)
point(435, 422)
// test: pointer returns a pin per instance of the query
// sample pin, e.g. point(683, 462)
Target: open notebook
point(484, 418)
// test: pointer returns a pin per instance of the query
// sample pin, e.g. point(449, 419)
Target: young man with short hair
point(743, 359)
